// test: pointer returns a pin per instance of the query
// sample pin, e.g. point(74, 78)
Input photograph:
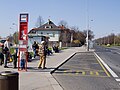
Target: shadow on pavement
point(35, 69)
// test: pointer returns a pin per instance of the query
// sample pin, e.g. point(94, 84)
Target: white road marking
point(118, 80)
point(107, 67)
point(116, 52)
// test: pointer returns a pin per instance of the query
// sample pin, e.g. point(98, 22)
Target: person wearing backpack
point(42, 54)
point(35, 48)
point(14, 56)
point(6, 52)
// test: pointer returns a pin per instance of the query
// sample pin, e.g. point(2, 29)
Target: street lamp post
point(113, 38)
point(15, 32)
point(87, 39)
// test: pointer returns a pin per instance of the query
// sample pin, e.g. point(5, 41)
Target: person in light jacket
point(42, 54)
point(6, 52)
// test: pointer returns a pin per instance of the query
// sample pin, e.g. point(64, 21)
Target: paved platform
point(41, 79)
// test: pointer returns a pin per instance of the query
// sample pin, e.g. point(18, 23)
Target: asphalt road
point(84, 71)
point(111, 56)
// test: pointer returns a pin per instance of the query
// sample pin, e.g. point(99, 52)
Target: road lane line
point(83, 73)
point(91, 72)
point(97, 73)
point(115, 52)
point(77, 72)
point(65, 71)
point(118, 80)
point(107, 67)
point(103, 68)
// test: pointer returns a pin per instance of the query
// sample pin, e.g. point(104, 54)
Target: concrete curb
point(55, 85)
point(62, 63)
point(51, 78)
point(53, 81)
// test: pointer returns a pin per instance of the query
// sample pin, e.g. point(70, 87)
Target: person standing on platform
point(22, 61)
point(6, 52)
point(35, 48)
point(15, 58)
point(2, 55)
point(42, 53)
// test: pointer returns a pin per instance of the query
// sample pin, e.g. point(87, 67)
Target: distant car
point(108, 45)
point(2, 42)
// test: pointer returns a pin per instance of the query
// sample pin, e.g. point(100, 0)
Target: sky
point(104, 15)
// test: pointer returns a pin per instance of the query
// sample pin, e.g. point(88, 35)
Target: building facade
point(49, 30)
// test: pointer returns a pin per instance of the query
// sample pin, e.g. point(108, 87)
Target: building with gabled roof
point(49, 30)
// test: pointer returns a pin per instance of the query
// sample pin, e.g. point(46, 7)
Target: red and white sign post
point(23, 39)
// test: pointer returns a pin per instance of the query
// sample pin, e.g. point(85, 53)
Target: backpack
point(41, 50)
point(5, 50)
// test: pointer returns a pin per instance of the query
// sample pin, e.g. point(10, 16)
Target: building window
point(34, 32)
point(53, 34)
point(48, 26)
point(41, 32)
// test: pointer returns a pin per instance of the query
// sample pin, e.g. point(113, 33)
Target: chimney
point(49, 21)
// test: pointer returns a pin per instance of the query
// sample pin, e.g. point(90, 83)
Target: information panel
point(23, 41)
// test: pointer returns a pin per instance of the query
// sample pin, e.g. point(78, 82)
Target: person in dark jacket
point(35, 48)
point(14, 56)
point(1, 58)
point(2, 55)
point(6, 52)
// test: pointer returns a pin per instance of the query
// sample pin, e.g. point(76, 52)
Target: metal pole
point(87, 26)
point(87, 40)
point(108, 39)
point(114, 39)
point(16, 33)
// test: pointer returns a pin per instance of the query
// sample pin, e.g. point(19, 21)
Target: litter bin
point(9, 80)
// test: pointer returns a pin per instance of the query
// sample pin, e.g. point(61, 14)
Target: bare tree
point(117, 39)
point(90, 34)
point(15, 38)
point(78, 35)
point(65, 36)
point(63, 23)
point(75, 28)
point(39, 22)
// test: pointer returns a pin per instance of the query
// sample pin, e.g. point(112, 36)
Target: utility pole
point(16, 32)
point(113, 38)
point(87, 38)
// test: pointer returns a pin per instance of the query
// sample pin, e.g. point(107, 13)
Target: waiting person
point(42, 53)
point(35, 48)
point(2, 55)
point(6, 52)
point(48, 51)
point(22, 61)
point(55, 48)
point(1, 58)
point(14, 55)
point(28, 55)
